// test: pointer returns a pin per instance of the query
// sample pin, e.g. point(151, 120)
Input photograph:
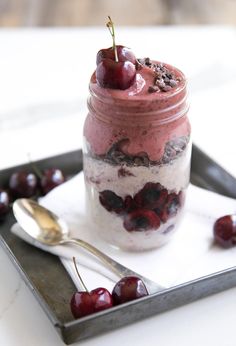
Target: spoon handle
point(116, 267)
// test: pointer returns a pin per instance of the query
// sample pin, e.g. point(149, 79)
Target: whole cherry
point(115, 75)
point(4, 203)
point(23, 184)
point(123, 54)
point(127, 289)
point(51, 178)
point(84, 303)
point(224, 231)
point(114, 69)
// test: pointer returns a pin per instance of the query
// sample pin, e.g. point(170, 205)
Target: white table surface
point(44, 78)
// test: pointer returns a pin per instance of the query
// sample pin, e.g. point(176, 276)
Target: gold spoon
point(47, 228)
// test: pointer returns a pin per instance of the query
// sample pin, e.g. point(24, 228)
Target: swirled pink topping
point(147, 118)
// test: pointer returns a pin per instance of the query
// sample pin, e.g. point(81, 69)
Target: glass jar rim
point(159, 107)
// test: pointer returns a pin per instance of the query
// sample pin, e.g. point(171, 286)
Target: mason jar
point(136, 156)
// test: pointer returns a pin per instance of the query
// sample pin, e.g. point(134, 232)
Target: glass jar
point(137, 152)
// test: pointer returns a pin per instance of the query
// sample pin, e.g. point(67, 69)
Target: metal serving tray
point(53, 288)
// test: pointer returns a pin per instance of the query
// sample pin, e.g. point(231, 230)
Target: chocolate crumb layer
point(116, 156)
point(164, 79)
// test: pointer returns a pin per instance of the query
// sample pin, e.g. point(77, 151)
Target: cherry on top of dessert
point(115, 75)
point(123, 54)
point(115, 65)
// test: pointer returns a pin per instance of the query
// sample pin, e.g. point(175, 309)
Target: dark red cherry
point(51, 178)
point(173, 204)
point(123, 54)
point(111, 201)
point(85, 303)
point(151, 196)
point(102, 299)
point(127, 289)
point(129, 204)
point(170, 208)
point(225, 231)
point(81, 304)
point(23, 184)
point(4, 203)
point(115, 75)
point(141, 220)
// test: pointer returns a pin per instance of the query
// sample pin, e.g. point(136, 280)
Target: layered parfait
point(137, 149)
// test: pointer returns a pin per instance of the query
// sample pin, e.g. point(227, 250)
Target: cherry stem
point(35, 168)
point(111, 28)
point(80, 278)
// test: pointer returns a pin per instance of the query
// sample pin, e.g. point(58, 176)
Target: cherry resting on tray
point(4, 203)
point(116, 65)
point(23, 184)
point(51, 178)
point(225, 231)
point(84, 303)
point(127, 289)
point(27, 184)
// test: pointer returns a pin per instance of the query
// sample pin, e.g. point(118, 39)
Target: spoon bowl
point(39, 222)
point(47, 228)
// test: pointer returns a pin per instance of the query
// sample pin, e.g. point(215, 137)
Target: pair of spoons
point(47, 228)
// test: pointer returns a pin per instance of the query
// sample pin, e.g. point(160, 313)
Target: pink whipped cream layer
point(148, 120)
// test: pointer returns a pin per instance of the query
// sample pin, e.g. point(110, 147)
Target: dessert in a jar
point(137, 149)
